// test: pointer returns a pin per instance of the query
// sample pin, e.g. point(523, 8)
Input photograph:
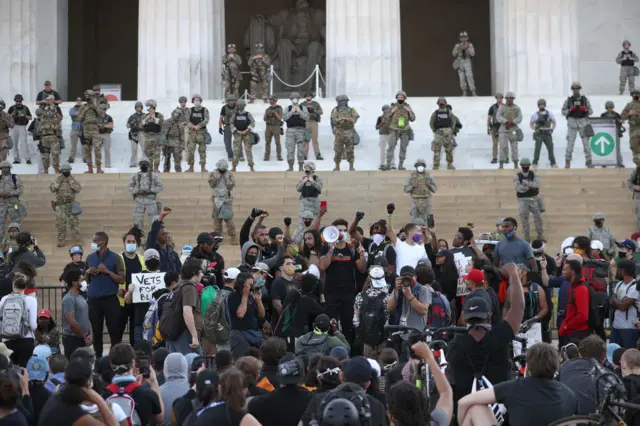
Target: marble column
point(534, 46)
point(18, 50)
point(363, 47)
point(52, 35)
point(180, 43)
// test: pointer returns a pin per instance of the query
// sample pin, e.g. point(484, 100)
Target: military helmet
point(385, 107)
point(310, 165)
point(598, 216)
point(499, 221)
point(294, 95)
point(13, 225)
point(231, 46)
point(542, 101)
point(307, 214)
point(401, 93)
point(525, 162)
point(66, 167)
point(499, 95)
point(420, 161)
point(441, 98)
point(197, 95)
point(18, 97)
point(273, 98)
point(95, 87)
point(241, 103)
point(510, 95)
point(143, 161)
point(231, 98)
point(104, 106)
point(182, 99)
point(139, 104)
point(222, 164)
point(89, 93)
point(609, 104)
point(39, 112)
point(464, 35)
point(635, 92)
point(341, 98)
point(626, 42)
point(5, 164)
point(309, 94)
point(176, 113)
point(151, 102)
point(259, 45)
point(576, 85)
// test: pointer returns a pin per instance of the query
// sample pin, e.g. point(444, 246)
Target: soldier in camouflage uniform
point(102, 99)
point(134, 124)
point(11, 188)
point(400, 116)
point(224, 125)
point(173, 131)
point(9, 241)
point(631, 112)
point(145, 186)
point(152, 123)
point(509, 116)
point(627, 61)
point(222, 182)
point(463, 52)
point(603, 234)
point(296, 117)
point(183, 119)
point(273, 119)
point(66, 188)
point(90, 114)
point(6, 123)
point(543, 123)
point(493, 127)
point(105, 128)
point(421, 188)
point(315, 114)
point(343, 121)
point(242, 124)
point(197, 119)
point(527, 185)
point(443, 123)
point(610, 112)
point(577, 109)
point(50, 131)
point(259, 65)
point(231, 76)
point(633, 184)
point(498, 235)
point(310, 187)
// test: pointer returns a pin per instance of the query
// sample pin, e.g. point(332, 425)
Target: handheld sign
point(533, 336)
point(145, 285)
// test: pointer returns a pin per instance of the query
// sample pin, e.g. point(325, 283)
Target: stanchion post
point(317, 79)
point(271, 82)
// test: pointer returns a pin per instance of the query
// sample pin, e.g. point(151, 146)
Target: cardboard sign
point(145, 285)
point(464, 263)
point(534, 335)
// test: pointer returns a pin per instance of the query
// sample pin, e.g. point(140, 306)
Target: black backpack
point(352, 393)
point(172, 321)
point(372, 319)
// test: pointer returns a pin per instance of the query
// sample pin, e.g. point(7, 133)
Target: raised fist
point(287, 221)
point(391, 208)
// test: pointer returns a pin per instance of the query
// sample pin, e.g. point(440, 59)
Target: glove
point(281, 131)
point(359, 216)
point(255, 212)
point(221, 131)
point(583, 109)
point(572, 108)
point(287, 221)
point(391, 208)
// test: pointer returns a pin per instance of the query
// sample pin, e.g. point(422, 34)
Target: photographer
point(246, 313)
point(27, 250)
point(212, 261)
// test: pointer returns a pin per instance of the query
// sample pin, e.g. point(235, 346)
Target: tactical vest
point(401, 118)
point(532, 192)
point(628, 62)
point(443, 119)
point(105, 121)
point(295, 120)
point(135, 122)
point(343, 113)
point(543, 121)
point(174, 129)
point(65, 194)
point(309, 191)
point(228, 113)
point(494, 112)
point(241, 122)
point(20, 121)
point(510, 112)
point(49, 124)
point(422, 191)
point(311, 107)
point(197, 116)
point(578, 103)
point(384, 129)
point(152, 127)
point(271, 117)
point(634, 120)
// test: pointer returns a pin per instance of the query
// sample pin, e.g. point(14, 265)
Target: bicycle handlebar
point(623, 404)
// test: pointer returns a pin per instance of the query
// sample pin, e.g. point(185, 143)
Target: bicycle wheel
point(577, 420)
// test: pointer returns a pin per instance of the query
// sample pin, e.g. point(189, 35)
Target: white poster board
point(113, 92)
point(145, 285)
point(533, 336)
point(464, 264)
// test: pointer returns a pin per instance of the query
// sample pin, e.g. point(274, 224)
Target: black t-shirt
point(133, 266)
point(340, 275)
point(80, 266)
point(43, 94)
point(467, 357)
point(250, 319)
point(56, 412)
point(183, 406)
point(307, 311)
point(371, 249)
point(39, 397)
point(147, 402)
point(14, 419)
point(534, 401)
point(280, 288)
point(282, 407)
point(219, 414)
point(378, 411)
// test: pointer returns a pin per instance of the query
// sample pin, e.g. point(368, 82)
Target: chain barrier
point(315, 73)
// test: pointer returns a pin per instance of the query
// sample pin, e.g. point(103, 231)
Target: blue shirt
point(75, 125)
point(512, 251)
point(101, 284)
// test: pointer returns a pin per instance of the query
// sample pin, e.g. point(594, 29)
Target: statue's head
point(302, 4)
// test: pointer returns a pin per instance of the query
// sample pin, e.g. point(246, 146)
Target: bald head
point(630, 362)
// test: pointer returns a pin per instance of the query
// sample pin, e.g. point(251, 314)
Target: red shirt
point(577, 309)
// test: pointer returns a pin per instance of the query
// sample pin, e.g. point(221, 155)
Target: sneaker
point(16, 161)
point(28, 161)
point(70, 160)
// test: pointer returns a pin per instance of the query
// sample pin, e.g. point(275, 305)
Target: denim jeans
point(181, 345)
point(137, 333)
point(624, 337)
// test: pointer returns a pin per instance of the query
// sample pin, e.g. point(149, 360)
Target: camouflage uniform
point(542, 122)
point(310, 190)
point(508, 137)
point(222, 185)
point(183, 119)
point(173, 131)
point(612, 114)
point(465, 72)
point(259, 67)
point(197, 119)
point(144, 181)
point(631, 112)
point(225, 115)
point(9, 241)
point(343, 120)
point(383, 130)
point(10, 192)
point(400, 116)
point(577, 121)
point(273, 128)
point(527, 191)
point(50, 132)
point(134, 124)
point(90, 114)
point(6, 123)
point(627, 60)
point(296, 128)
point(315, 115)
point(493, 128)
point(421, 188)
point(105, 134)
point(443, 122)
point(497, 235)
point(244, 119)
point(231, 76)
point(602, 234)
point(66, 189)
point(153, 137)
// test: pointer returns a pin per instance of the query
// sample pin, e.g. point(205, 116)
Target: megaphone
point(331, 234)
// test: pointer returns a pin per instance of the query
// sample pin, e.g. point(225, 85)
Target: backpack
point(372, 319)
point(171, 325)
point(121, 396)
point(597, 304)
point(150, 329)
point(216, 319)
point(208, 295)
point(314, 343)
point(352, 393)
point(596, 274)
point(439, 314)
point(378, 254)
point(14, 317)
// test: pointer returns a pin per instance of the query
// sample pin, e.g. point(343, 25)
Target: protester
point(158, 239)
point(370, 313)
point(271, 351)
point(176, 375)
point(513, 249)
point(38, 370)
point(301, 309)
point(575, 325)
point(479, 287)
point(624, 301)
point(28, 250)
point(57, 365)
point(250, 368)
point(535, 300)
point(77, 330)
point(246, 312)
point(20, 320)
point(133, 264)
point(47, 332)
point(201, 395)
point(324, 338)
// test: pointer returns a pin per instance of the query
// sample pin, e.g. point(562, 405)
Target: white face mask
point(83, 286)
point(420, 169)
point(377, 239)
point(295, 101)
point(197, 103)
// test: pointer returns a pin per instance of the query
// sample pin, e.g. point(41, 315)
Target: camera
point(406, 281)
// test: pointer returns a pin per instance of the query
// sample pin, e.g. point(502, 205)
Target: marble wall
point(18, 54)
point(52, 44)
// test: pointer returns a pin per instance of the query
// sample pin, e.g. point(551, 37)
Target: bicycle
point(519, 360)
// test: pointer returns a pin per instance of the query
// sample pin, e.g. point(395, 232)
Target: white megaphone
point(331, 234)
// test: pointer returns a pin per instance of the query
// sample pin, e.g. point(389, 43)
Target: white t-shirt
point(115, 409)
point(625, 320)
point(32, 308)
point(409, 255)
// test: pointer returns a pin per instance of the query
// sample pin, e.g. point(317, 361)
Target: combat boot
point(319, 156)
point(337, 168)
point(99, 170)
point(554, 166)
point(515, 164)
point(70, 160)
point(450, 166)
point(494, 161)
point(251, 169)
point(90, 170)
point(57, 169)
point(46, 171)
point(178, 168)
point(300, 164)
point(351, 169)
point(280, 158)
point(166, 169)
point(290, 169)
point(305, 157)
point(567, 164)
point(266, 158)
point(501, 166)
point(384, 167)
point(590, 164)
point(473, 93)
point(190, 169)
point(233, 169)
point(400, 166)
point(203, 169)
point(465, 93)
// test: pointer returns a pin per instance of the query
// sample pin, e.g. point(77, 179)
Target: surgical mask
point(95, 246)
point(144, 168)
point(416, 238)
point(420, 169)
point(197, 103)
point(66, 174)
point(289, 270)
point(251, 259)
point(83, 286)
point(295, 101)
point(510, 235)
point(130, 248)
point(260, 281)
point(377, 239)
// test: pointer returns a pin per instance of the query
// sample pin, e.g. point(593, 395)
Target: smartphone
point(430, 221)
point(143, 366)
point(208, 361)
point(323, 203)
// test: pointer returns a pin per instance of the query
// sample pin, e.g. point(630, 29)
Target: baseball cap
point(313, 270)
point(376, 273)
point(44, 313)
point(476, 307)
point(207, 377)
point(628, 244)
point(291, 370)
point(38, 368)
point(43, 351)
point(231, 274)
point(205, 238)
point(322, 322)
point(596, 245)
point(407, 270)
point(475, 275)
point(262, 267)
point(151, 254)
point(357, 370)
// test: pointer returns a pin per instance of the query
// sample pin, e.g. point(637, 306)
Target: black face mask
point(251, 259)
point(66, 174)
point(400, 101)
point(525, 169)
point(622, 254)
point(152, 264)
point(636, 98)
point(599, 223)
point(442, 106)
point(307, 172)
point(307, 222)
point(144, 169)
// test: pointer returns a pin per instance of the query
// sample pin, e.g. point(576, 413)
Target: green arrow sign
point(602, 144)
